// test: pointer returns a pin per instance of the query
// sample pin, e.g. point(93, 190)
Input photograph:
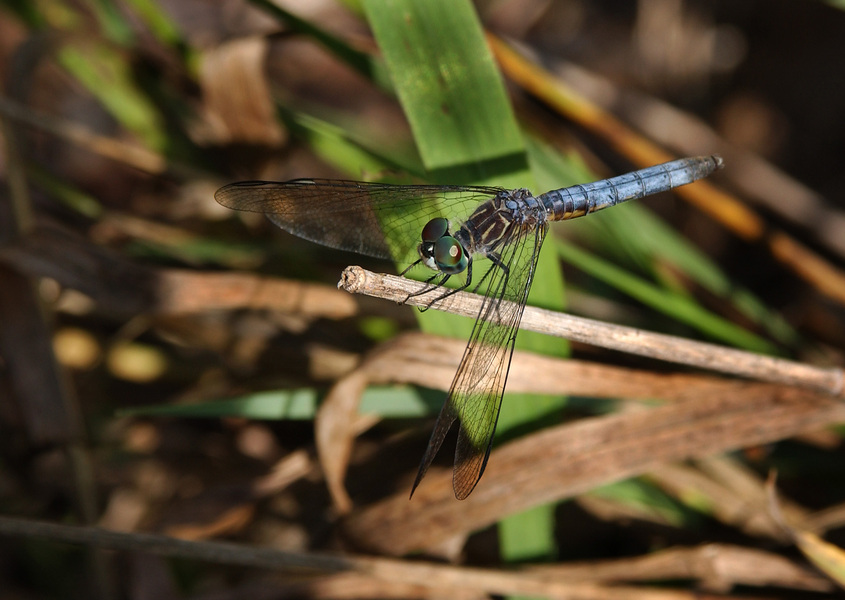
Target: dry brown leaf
point(239, 107)
point(831, 517)
point(287, 470)
point(357, 585)
point(179, 291)
point(829, 559)
point(431, 361)
point(303, 564)
point(336, 426)
point(566, 460)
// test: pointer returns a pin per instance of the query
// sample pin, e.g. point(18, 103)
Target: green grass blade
point(106, 75)
point(369, 66)
point(112, 22)
point(680, 308)
point(346, 151)
point(466, 132)
point(298, 405)
point(638, 239)
point(449, 87)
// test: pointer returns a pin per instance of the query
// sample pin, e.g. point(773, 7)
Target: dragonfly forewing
point(374, 219)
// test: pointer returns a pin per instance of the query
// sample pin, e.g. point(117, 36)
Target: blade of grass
point(165, 30)
point(643, 496)
point(113, 25)
point(448, 86)
point(651, 243)
point(465, 131)
point(369, 66)
point(679, 307)
point(345, 150)
point(390, 402)
point(106, 75)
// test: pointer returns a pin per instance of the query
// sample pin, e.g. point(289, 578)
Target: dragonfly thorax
point(440, 251)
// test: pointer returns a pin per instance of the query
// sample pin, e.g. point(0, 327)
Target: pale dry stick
point(714, 566)
point(317, 563)
point(357, 280)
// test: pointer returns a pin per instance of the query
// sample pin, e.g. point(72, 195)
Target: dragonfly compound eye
point(449, 255)
point(435, 229)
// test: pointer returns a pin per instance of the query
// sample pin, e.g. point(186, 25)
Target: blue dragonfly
point(450, 229)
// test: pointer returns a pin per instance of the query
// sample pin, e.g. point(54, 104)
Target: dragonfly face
point(439, 251)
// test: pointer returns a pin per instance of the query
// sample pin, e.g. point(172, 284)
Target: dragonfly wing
point(475, 397)
point(375, 219)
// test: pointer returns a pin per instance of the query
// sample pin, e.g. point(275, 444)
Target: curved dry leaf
point(569, 459)
point(336, 426)
point(238, 104)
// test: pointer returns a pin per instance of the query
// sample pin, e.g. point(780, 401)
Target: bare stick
point(357, 280)
point(384, 569)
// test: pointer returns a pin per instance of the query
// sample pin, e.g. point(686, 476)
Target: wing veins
point(476, 392)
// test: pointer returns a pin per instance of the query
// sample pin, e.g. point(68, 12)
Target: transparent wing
point(476, 394)
point(376, 219)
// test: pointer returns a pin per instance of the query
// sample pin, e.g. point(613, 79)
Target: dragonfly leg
point(447, 292)
point(497, 262)
point(426, 284)
point(411, 266)
point(427, 287)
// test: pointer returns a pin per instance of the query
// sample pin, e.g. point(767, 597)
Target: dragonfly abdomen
point(579, 200)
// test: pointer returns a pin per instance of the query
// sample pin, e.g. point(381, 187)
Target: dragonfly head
point(439, 251)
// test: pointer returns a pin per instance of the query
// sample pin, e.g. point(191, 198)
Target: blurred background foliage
point(163, 358)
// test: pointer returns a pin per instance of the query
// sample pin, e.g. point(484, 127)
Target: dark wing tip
point(237, 195)
point(420, 475)
point(444, 423)
point(228, 195)
point(468, 471)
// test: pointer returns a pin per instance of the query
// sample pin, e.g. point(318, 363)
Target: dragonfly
point(450, 229)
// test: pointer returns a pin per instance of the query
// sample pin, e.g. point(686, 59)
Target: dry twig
point(384, 569)
point(615, 337)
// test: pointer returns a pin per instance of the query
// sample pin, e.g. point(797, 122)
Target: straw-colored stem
point(615, 337)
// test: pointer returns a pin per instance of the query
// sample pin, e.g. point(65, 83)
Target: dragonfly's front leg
point(428, 287)
point(426, 283)
point(497, 263)
point(409, 267)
